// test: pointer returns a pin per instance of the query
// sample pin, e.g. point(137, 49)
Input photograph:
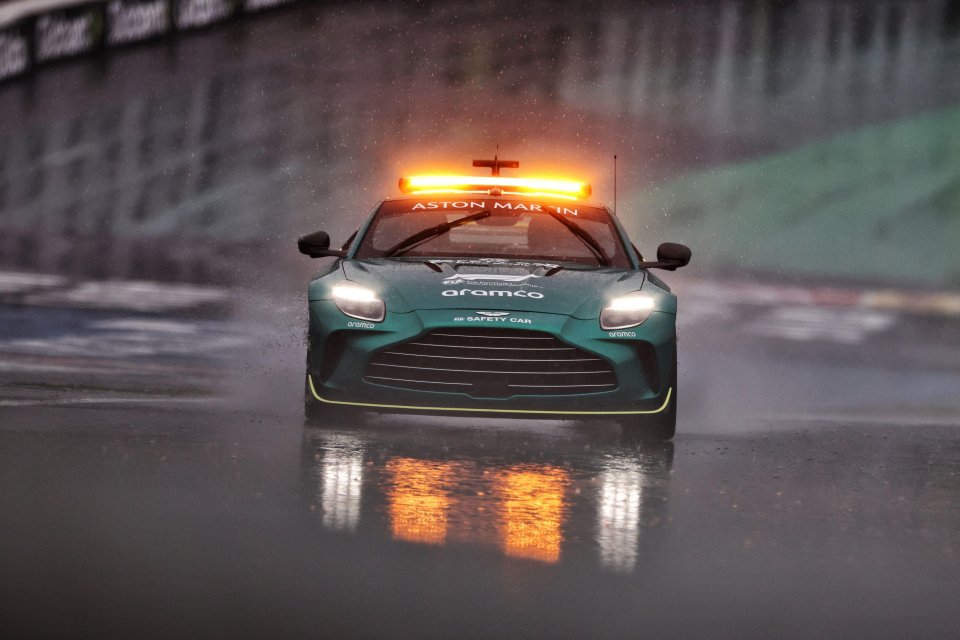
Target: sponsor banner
point(49, 32)
point(67, 33)
point(14, 51)
point(257, 5)
point(191, 14)
point(135, 20)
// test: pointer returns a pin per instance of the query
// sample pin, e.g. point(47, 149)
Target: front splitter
point(400, 407)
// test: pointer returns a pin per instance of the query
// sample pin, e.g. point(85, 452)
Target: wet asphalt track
point(198, 523)
point(178, 494)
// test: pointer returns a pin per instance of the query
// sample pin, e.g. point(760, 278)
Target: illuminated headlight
point(626, 311)
point(359, 302)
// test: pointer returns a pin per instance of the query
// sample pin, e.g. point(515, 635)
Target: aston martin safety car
point(493, 296)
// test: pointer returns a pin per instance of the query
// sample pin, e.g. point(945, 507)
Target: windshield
point(514, 229)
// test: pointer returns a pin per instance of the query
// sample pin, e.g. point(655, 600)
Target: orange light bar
point(542, 186)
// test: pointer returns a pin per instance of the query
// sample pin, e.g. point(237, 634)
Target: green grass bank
point(879, 204)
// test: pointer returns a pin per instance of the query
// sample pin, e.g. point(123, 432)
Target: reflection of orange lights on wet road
point(532, 509)
point(418, 499)
point(521, 508)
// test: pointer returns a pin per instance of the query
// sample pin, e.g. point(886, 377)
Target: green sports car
point(493, 296)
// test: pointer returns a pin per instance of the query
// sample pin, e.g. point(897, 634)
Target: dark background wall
point(188, 157)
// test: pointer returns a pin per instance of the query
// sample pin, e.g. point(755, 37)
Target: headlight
point(359, 302)
point(626, 311)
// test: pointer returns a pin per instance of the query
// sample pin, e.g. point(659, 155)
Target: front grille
point(490, 363)
point(332, 354)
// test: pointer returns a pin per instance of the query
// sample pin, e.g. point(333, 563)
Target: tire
point(659, 426)
point(319, 414)
point(313, 410)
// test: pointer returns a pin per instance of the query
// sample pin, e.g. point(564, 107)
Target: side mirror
point(676, 253)
point(317, 245)
point(670, 256)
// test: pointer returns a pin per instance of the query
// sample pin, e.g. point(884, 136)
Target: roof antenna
point(614, 184)
point(496, 164)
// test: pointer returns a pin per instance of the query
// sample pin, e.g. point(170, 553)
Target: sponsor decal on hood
point(492, 262)
point(460, 278)
point(496, 293)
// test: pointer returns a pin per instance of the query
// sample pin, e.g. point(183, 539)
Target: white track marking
point(71, 401)
point(698, 311)
point(48, 290)
point(848, 326)
point(16, 282)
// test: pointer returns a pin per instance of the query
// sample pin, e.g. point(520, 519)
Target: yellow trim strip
point(666, 402)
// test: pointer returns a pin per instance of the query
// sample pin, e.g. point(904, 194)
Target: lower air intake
point(490, 363)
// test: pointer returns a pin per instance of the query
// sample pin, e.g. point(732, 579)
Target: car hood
point(407, 285)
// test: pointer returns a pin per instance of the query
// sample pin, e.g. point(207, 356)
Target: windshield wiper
point(422, 236)
point(585, 237)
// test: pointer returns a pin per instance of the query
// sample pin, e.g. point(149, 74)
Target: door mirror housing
point(678, 254)
point(317, 245)
point(670, 256)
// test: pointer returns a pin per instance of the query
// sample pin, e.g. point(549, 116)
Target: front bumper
point(340, 348)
